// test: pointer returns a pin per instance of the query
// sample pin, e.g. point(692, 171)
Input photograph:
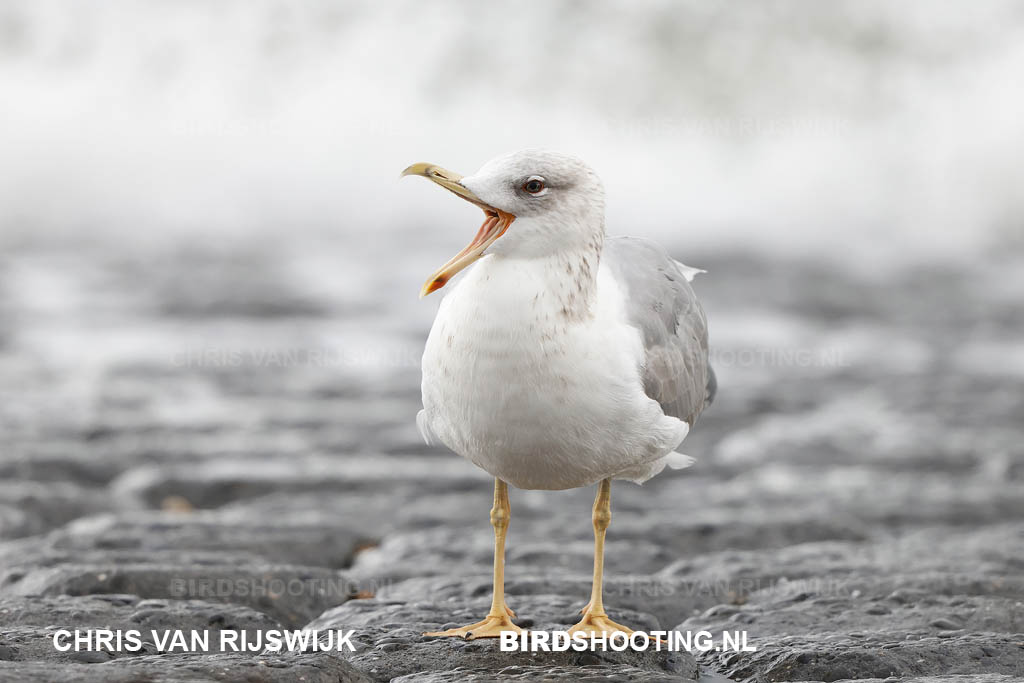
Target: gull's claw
point(490, 627)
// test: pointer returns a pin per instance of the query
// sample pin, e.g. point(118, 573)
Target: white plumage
point(534, 368)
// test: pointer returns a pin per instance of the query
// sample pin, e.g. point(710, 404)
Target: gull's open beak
point(496, 222)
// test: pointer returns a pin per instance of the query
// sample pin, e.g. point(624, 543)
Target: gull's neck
point(563, 282)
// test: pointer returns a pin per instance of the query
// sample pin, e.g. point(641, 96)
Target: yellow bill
point(495, 224)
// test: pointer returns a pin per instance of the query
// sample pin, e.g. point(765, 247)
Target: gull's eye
point(534, 185)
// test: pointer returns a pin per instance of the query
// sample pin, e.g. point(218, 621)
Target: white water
point(869, 132)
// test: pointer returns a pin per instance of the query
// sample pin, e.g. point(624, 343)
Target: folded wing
point(663, 306)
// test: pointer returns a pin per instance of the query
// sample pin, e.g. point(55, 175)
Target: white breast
point(536, 398)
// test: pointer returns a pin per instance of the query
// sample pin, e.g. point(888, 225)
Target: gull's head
point(555, 201)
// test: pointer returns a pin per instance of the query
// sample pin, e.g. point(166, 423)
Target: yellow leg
point(595, 619)
point(499, 618)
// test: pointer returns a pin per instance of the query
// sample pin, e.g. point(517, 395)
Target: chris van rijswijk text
point(178, 640)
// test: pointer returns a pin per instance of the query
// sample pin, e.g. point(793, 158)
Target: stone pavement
point(217, 437)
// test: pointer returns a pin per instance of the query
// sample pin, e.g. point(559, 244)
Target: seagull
point(562, 358)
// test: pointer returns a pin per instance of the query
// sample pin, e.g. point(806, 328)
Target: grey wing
point(663, 306)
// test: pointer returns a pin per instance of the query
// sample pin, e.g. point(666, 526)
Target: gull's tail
point(426, 432)
point(679, 461)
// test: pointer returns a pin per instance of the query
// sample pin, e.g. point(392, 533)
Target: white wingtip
point(679, 461)
point(689, 272)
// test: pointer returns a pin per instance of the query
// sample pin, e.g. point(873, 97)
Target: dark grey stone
point(582, 673)
point(291, 595)
point(390, 644)
point(272, 539)
point(883, 654)
point(28, 623)
point(855, 509)
point(31, 507)
point(184, 668)
point(214, 483)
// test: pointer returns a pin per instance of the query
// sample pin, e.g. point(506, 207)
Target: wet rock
point(876, 655)
point(844, 623)
point(585, 673)
point(657, 604)
point(374, 514)
point(28, 623)
point(768, 616)
point(946, 678)
point(184, 668)
point(30, 507)
point(290, 595)
point(265, 537)
point(389, 641)
point(215, 483)
point(854, 507)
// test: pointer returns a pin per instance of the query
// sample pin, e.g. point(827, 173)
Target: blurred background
point(209, 268)
point(194, 156)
